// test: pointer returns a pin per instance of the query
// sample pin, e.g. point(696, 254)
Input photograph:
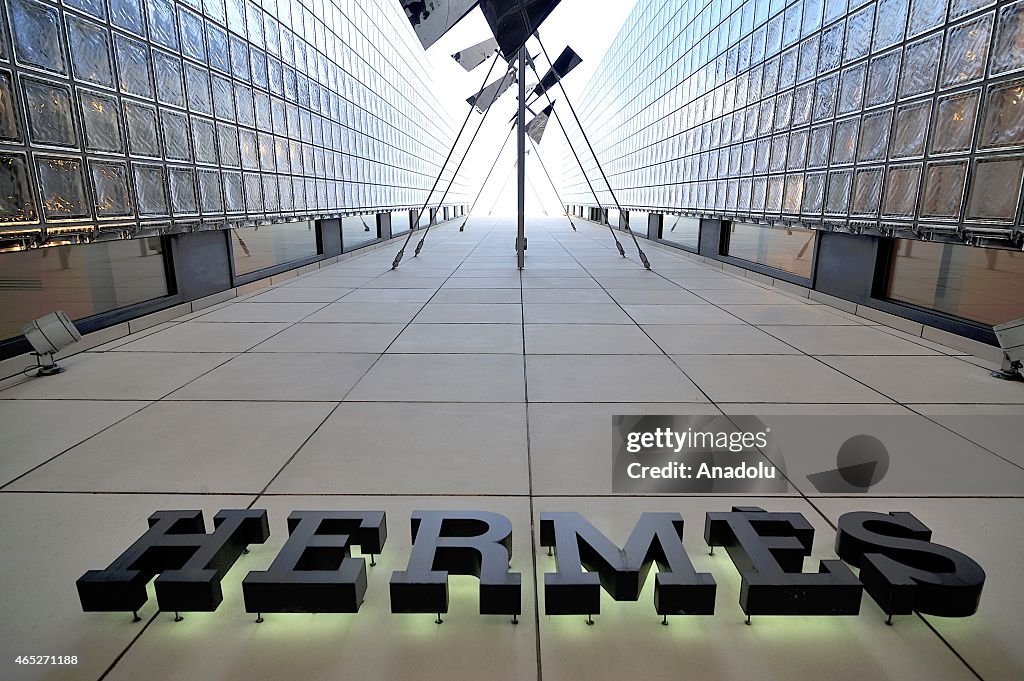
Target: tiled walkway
point(456, 382)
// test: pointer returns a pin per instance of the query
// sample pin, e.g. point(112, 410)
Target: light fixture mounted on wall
point(1011, 340)
point(49, 335)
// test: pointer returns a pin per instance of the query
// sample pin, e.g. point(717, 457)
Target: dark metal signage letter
point(656, 538)
point(314, 571)
point(461, 543)
point(768, 550)
point(903, 571)
point(189, 562)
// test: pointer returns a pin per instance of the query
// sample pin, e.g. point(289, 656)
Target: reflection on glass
point(257, 248)
point(401, 222)
point(790, 250)
point(638, 222)
point(358, 230)
point(979, 284)
point(681, 230)
point(82, 280)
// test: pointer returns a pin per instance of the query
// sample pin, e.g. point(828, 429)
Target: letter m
point(588, 561)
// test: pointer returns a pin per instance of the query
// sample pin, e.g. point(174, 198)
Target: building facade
point(267, 121)
point(767, 133)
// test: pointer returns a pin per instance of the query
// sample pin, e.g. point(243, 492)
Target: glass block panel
point(248, 150)
point(882, 78)
point(911, 130)
point(1004, 116)
point(814, 193)
point(954, 122)
point(16, 203)
point(111, 196)
point(926, 15)
point(851, 90)
point(50, 119)
point(967, 51)
point(37, 35)
point(803, 100)
point(62, 188)
point(95, 8)
point(891, 24)
point(244, 105)
point(184, 200)
point(101, 118)
point(797, 150)
point(867, 192)
point(223, 99)
point(233, 193)
point(793, 193)
point(239, 58)
point(901, 186)
point(127, 14)
point(874, 136)
point(133, 67)
point(778, 157)
point(920, 67)
point(218, 48)
point(197, 87)
point(844, 148)
point(10, 114)
point(140, 122)
point(858, 33)
point(831, 50)
point(151, 190)
point(253, 192)
point(193, 41)
point(1009, 48)
point(163, 26)
point(808, 60)
point(784, 110)
point(995, 189)
point(210, 192)
point(204, 140)
point(167, 70)
point(90, 52)
point(837, 198)
point(227, 142)
point(834, 9)
point(959, 8)
point(819, 147)
point(825, 97)
point(175, 135)
point(943, 189)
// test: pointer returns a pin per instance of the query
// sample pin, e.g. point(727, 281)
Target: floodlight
point(49, 335)
point(1011, 340)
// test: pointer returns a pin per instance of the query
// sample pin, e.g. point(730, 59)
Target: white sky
point(572, 23)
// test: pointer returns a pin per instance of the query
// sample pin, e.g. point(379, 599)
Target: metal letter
point(903, 571)
point(314, 572)
point(657, 537)
point(461, 543)
point(189, 562)
point(768, 550)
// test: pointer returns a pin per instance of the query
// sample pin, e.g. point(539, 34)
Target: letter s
point(903, 571)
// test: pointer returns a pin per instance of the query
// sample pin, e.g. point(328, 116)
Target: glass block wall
point(889, 116)
point(142, 115)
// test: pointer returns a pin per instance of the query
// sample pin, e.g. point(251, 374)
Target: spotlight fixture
point(49, 335)
point(1011, 340)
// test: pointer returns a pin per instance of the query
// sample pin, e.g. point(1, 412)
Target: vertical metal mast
point(521, 136)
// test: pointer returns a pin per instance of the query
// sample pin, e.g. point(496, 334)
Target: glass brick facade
point(898, 117)
point(151, 116)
